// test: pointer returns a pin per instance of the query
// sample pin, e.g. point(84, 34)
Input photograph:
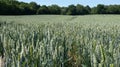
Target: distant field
point(84, 19)
point(60, 41)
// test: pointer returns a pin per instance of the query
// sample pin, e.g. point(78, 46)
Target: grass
point(60, 41)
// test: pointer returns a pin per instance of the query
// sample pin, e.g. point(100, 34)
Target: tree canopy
point(14, 7)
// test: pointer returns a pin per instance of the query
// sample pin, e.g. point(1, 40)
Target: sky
point(91, 3)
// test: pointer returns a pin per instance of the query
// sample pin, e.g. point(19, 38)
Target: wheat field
point(60, 41)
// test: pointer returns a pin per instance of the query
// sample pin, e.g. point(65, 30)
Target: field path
point(72, 18)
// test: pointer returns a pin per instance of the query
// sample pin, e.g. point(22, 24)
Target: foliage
point(14, 7)
point(54, 9)
point(43, 10)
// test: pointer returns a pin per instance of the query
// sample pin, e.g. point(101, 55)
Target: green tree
point(25, 9)
point(71, 10)
point(43, 10)
point(101, 9)
point(94, 10)
point(88, 9)
point(81, 10)
point(34, 7)
point(2, 8)
point(9, 7)
point(54, 9)
point(113, 9)
point(63, 10)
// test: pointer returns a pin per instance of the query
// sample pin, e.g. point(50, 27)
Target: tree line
point(14, 7)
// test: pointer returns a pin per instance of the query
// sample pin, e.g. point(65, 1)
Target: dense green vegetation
point(14, 7)
point(60, 41)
